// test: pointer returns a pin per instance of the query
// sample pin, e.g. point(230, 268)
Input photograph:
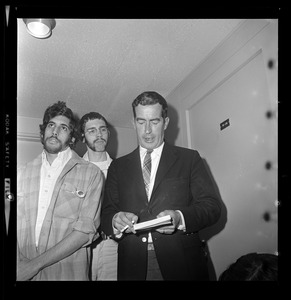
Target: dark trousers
point(153, 269)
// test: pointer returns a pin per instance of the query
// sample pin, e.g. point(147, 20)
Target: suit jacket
point(67, 212)
point(182, 183)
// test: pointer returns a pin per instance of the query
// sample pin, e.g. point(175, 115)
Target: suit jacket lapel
point(168, 158)
point(135, 170)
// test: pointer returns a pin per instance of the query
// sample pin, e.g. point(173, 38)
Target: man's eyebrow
point(95, 127)
point(154, 119)
point(62, 124)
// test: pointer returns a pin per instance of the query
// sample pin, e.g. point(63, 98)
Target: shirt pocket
point(69, 201)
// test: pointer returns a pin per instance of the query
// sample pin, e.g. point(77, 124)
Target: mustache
point(52, 137)
point(100, 139)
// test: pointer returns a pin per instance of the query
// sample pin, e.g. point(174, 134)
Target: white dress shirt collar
point(62, 158)
point(156, 151)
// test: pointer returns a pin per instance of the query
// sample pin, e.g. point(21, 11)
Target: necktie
point(147, 165)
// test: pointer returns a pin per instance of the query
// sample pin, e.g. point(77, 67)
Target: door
point(234, 128)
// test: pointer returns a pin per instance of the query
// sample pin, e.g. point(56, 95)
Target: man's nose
point(55, 131)
point(148, 128)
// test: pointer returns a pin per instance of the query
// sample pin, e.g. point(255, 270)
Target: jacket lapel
point(168, 158)
point(135, 171)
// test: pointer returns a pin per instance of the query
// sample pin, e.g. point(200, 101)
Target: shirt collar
point(156, 151)
point(62, 158)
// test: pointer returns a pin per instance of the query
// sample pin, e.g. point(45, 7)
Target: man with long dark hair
point(58, 204)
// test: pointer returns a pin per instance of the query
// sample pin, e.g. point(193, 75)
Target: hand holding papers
point(153, 223)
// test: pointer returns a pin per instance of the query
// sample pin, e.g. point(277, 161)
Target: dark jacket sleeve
point(110, 201)
point(205, 207)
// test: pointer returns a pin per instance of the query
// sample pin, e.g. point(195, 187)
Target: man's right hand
point(123, 219)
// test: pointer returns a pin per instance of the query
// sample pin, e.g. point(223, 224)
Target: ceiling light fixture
point(40, 28)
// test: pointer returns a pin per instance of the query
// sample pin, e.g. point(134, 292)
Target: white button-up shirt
point(48, 177)
point(156, 156)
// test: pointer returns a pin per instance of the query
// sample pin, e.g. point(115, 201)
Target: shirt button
point(144, 239)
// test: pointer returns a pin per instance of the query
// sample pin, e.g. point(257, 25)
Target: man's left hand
point(176, 220)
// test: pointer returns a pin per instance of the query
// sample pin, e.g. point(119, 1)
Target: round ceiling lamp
point(40, 28)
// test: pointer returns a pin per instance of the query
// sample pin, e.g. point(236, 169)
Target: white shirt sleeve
point(182, 226)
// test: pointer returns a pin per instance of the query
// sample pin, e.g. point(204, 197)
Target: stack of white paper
point(153, 223)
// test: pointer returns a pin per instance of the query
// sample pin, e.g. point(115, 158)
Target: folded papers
point(153, 223)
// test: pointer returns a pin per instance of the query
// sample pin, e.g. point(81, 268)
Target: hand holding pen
point(123, 222)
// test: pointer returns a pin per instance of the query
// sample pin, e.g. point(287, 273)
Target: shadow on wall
point(112, 145)
point(207, 233)
point(172, 131)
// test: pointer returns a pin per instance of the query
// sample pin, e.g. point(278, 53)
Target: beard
point(53, 145)
point(98, 145)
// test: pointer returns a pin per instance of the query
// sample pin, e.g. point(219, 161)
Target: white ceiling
point(103, 64)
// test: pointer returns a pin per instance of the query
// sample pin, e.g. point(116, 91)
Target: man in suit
point(179, 186)
point(58, 204)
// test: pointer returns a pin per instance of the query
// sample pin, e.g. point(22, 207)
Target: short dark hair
point(150, 98)
point(60, 109)
point(252, 267)
point(90, 116)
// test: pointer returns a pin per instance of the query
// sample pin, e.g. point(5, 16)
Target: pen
point(123, 229)
point(126, 226)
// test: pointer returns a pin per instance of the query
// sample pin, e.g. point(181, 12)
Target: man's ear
point(133, 123)
point(167, 121)
point(42, 138)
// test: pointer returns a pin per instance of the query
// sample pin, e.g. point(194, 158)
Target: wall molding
point(28, 129)
point(28, 137)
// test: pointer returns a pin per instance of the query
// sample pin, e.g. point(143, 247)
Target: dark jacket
point(182, 183)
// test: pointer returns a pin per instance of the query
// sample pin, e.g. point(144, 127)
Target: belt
point(151, 247)
point(105, 237)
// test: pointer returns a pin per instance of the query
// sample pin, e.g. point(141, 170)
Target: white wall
point(235, 82)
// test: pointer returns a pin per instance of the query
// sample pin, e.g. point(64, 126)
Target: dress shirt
point(48, 177)
point(156, 156)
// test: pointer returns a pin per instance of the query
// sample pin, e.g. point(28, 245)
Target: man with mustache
point(95, 134)
point(58, 204)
